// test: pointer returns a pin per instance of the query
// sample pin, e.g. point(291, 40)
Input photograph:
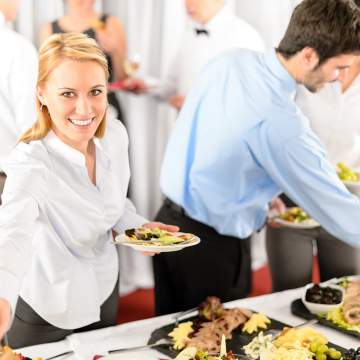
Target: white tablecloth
point(85, 345)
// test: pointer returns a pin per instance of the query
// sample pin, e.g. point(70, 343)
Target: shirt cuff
point(128, 221)
point(9, 289)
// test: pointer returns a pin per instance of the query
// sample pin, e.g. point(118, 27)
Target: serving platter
point(239, 338)
point(299, 309)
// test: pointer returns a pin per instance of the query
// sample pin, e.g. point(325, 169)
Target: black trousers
point(29, 328)
point(220, 265)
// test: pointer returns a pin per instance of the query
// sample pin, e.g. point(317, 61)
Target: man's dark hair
point(330, 27)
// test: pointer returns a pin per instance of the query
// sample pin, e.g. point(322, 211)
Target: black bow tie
point(201, 32)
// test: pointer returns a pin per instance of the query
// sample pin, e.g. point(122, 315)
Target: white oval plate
point(306, 224)
point(353, 186)
point(122, 240)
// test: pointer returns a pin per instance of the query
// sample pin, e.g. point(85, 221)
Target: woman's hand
point(5, 317)
point(159, 225)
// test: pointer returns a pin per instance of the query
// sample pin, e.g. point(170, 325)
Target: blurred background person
point(213, 28)
point(18, 72)
point(80, 16)
point(334, 114)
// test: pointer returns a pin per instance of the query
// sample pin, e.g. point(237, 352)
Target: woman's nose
point(83, 106)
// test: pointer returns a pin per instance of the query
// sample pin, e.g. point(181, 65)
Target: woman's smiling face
point(75, 95)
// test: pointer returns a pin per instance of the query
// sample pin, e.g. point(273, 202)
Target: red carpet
point(140, 304)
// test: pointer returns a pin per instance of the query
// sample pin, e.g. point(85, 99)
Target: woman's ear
point(40, 95)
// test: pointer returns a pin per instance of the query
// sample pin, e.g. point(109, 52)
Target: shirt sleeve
point(129, 219)
point(23, 87)
point(17, 227)
point(300, 168)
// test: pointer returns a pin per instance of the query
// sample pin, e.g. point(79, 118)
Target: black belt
point(171, 205)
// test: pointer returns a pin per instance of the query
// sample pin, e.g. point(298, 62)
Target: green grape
point(334, 354)
point(314, 346)
point(346, 173)
point(320, 356)
point(322, 349)
point(341, 166)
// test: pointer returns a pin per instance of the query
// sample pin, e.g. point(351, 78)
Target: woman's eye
point(68, 94)
point(96, 92)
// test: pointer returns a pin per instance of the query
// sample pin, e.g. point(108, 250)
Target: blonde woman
point(80, 16)
point(62, 201)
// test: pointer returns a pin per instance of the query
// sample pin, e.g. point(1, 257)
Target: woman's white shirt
point(334, 116)
point(56, 247)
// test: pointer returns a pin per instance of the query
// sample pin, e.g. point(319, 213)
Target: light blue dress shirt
point(240, 140)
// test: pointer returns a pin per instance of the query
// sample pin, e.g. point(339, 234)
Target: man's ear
point(309, 58)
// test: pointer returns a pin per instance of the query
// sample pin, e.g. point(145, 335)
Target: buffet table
point(86, 345)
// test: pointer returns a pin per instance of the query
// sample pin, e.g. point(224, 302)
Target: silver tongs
point(141, 347)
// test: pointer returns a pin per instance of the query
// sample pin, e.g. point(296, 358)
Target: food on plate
point(180, 334)
point(299, 343)
point(295, 215)
point(207, 338)
point(156, 236)
point(191, 353)
point(351, 307)
point(211, 308)
point(262, 347)
point(303, 336)
point(322, 351)
point(352, 354)
point(256, 322)
point(323, 295)
point(194, 354)
point(206, 335)
point(348, 315)
point(98, 25)
point(6, 353)
point(345, 173)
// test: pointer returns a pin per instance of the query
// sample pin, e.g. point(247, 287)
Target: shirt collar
point(279, 71)
point(216, 22)
point(58, 147)
point(219, 19)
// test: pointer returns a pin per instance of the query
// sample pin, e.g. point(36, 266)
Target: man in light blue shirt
point(240, 140)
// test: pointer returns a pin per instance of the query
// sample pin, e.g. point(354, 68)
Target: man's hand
point(277, 206)
point(159, 225)
point(5, 317)
point(177, 101)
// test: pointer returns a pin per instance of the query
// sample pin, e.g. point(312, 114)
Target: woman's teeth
point(81, 122)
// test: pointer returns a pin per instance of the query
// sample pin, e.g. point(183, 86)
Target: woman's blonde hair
point(74, 46)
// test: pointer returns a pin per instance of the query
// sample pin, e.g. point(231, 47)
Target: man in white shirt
point(334, 116)
point(18, 72)
point(214, 28)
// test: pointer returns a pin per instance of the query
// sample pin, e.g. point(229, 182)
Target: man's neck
point(212, 14)
point(290, 65)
